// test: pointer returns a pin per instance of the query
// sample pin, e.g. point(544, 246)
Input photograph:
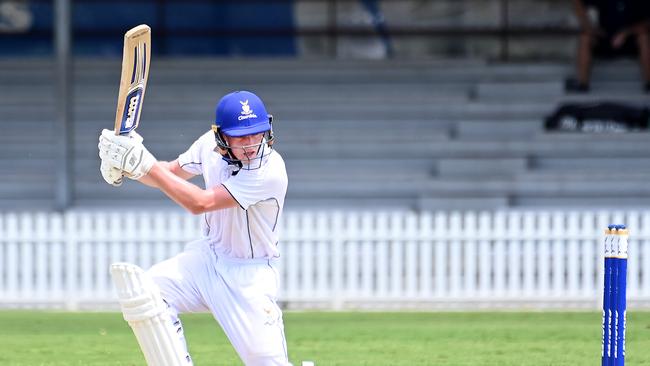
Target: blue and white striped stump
point(614, 296)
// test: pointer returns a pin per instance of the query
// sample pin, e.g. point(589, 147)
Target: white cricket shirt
point(250, 230)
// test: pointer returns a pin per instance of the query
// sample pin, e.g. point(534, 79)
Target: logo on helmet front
point(246, 111)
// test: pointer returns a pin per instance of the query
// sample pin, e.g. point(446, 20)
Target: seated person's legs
point(643, 44)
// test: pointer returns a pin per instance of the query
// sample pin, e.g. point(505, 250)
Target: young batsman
point(231, 270)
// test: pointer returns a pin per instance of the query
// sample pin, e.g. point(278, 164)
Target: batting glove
point(126, 153)
point(111, 175)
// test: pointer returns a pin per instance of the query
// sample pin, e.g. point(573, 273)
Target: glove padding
point(126, 153)
point(111, 175)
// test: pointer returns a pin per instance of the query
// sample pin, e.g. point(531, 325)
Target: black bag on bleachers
point(598, 117)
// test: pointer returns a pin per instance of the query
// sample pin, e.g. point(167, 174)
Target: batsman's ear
point(270, 137)
point(221, 144)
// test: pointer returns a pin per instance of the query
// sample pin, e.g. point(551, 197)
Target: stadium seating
point(355, 134)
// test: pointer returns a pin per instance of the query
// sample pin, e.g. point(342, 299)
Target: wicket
point(614, 296)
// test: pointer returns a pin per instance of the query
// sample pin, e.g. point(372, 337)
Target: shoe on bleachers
point(572, 85)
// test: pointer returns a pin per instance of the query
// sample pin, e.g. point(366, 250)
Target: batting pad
point(146, 312)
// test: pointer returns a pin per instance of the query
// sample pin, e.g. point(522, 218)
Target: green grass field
point(348, 338)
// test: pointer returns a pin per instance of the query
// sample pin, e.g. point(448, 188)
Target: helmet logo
point(245, 108)
point(246, 111)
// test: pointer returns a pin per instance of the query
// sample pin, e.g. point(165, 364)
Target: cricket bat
point(136, 59)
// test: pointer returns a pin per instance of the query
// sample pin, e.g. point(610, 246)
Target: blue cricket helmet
point(242, 113)
point(238, 114)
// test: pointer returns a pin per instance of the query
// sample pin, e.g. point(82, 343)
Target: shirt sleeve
point(191, 160)
point(249, 188)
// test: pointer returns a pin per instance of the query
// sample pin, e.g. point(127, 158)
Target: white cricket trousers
point(240, 294)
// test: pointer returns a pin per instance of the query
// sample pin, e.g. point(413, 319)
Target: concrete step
point(518, 90)
point(32, 189)
point(481, 168)
point(460, 188)
point(481, 130)
point(608, 165)
point(603, 202)
point(385, 169)
point(349, 203)
point(461, 203)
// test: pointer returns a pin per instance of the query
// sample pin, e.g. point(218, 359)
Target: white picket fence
point(341, 259)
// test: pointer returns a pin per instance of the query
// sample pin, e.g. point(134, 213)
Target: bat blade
point(136, 59)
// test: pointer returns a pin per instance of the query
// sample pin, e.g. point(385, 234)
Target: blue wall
point(192, 27)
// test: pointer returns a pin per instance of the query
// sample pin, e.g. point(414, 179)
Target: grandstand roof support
point(63, 97)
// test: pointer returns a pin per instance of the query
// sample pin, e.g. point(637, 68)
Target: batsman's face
point(245, 148)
